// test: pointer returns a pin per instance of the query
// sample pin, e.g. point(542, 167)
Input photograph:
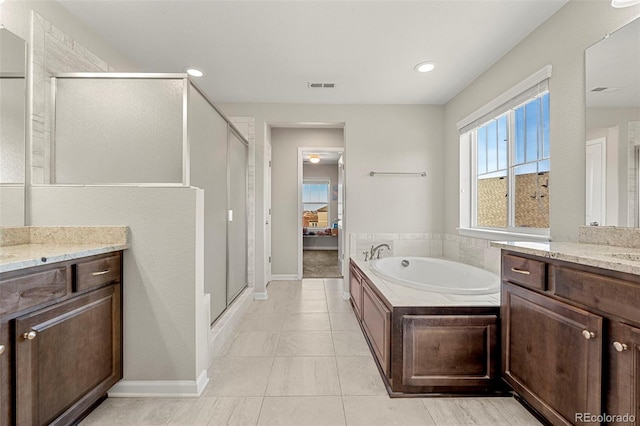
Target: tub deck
point(428, 343)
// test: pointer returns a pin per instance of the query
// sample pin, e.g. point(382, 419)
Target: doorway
point(320, 212)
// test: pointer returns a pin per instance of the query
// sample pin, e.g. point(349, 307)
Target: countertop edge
point(595, 255)
point(74, 252)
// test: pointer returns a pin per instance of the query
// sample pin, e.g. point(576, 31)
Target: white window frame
point(319, 180)
point(468, 177)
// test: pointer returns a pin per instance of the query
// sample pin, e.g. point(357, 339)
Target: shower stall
point(157, 130)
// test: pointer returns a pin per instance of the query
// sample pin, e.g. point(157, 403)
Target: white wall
point(284, 190)
point(163, 309)
point(560, 41)
point(379, 138)
point(16, 17)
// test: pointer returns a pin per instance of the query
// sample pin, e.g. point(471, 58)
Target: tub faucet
point(377, 249)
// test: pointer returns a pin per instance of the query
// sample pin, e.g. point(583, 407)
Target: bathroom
point(422, 218)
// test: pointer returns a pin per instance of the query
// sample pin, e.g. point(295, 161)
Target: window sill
point(490, 234)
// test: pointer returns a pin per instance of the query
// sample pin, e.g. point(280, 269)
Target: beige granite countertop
point(25, 247)
point(399, 295)
point(613, 258)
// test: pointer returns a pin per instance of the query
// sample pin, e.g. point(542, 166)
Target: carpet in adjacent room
point(320, 264)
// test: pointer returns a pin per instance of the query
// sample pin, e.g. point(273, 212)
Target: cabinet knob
point(588, 334)
point(30, 335)
point(620, 346)
point(2, 349)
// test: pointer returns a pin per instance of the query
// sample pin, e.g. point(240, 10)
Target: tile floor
point(300, 359)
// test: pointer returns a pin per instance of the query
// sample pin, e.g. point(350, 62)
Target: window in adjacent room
point(315, 203)
point(504, 165)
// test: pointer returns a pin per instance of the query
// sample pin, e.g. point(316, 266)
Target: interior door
point(267, 212)
point(340, 214)
point(596, 182)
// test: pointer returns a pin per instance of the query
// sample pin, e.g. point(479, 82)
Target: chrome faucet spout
point(376, 249)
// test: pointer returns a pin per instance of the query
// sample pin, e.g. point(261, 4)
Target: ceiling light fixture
point(425, 66)
point(194, 72)
point(624, 3)
point(314, 159)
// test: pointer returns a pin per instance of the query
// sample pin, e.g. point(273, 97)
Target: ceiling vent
point(605, 89)
point(321, 85)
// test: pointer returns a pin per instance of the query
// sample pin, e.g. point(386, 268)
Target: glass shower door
point(237, 217)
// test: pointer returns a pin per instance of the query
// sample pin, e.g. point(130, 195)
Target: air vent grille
point(315, 85)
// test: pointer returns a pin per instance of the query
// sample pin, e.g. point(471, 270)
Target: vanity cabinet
point(6, 399)
point(65, 347)
point(552, 354)
point(623, 371)
point(571, 339)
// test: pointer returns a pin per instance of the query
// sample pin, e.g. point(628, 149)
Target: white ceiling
point(267, 51)
point(326, 158)
point(614, 62)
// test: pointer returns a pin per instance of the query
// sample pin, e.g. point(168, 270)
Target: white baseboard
point(260, 295)
point(346, 295)
point(284, 277)
point(160, 388)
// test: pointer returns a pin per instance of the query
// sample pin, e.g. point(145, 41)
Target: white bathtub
point(439, 275)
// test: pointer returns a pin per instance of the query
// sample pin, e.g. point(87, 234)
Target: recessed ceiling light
point(314, 159)
point(624, 3)
point(425, 66)
point(194, 72)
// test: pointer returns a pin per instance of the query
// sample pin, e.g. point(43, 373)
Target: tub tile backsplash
point(412, 247)
point(472, 251)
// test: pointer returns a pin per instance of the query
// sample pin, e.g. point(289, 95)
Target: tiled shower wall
point(472, 251)
point(247, 126)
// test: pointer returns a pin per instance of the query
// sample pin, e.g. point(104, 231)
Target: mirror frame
point(25, 133)
point(628, 148)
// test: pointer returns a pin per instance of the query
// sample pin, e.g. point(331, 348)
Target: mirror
point(12, 128)
point(613, 128)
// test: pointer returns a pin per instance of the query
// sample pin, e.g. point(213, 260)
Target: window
point(315, 203)
point(505, 164)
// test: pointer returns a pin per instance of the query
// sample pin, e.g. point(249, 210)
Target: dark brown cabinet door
point(552, 354)
point(376, 320)
point(67, 356)
point(622, 387)
point(450, 350)
point(355, 288)
point(5, 374)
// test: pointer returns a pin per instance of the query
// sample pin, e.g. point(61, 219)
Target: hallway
point(300, 359)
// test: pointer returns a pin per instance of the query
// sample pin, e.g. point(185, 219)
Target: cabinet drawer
point(95, 273)
point(23, 292)
point(606, 294)
point(526, 272)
